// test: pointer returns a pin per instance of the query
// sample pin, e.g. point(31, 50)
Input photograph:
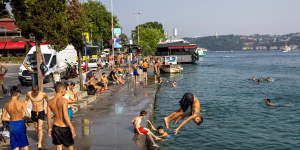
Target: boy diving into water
point(188, 100)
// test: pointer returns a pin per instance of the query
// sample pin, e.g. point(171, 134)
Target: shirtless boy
point(141, 130)
point(187, 100)
point(62, 131)
point(17, 128)
point(37, 112)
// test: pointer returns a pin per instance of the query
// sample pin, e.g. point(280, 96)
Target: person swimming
point(173, 84)
point(269, 103)
point(161, 131)
point(268, 79)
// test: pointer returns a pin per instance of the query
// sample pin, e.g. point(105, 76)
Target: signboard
point(87, 37)
point(117, 38)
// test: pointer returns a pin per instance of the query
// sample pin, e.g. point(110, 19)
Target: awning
point(12, 45)
point(33, 43)
point(181, 47)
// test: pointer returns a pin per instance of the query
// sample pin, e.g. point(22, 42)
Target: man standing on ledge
point(187, 100)
point(37, 112)
point(62, 131)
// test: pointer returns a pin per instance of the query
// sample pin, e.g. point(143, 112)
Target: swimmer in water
point(268, 103)
point(268, 79)
point(173, 84)
point(260, 80)
point(160, 129)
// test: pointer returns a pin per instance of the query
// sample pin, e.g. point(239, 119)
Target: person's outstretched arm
point(182, 117)
point(183, 124)
point(151, 125)
point(49, 120)
point(4, 114)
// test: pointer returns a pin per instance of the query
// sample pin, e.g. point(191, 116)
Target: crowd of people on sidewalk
point(16, 115)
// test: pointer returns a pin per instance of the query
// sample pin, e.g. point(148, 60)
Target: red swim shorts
point(143, 130)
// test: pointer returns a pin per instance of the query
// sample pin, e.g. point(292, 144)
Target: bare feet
point(166, 122)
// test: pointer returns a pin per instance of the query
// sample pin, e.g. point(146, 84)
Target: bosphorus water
point(233, 108)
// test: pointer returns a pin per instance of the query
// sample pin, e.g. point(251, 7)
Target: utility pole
point(138, 13)
point(112, 30)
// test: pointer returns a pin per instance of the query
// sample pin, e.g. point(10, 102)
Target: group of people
point(61, 105)
point(188, 101)
point(261, 79)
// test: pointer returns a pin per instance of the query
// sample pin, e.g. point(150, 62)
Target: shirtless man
point(111, 62)
point(102, 81)
point(17, 128)
point(92, 81)
point(141, 130)
point(2, 74)
point(37, 112)
point(187, 100)
point(62, 131)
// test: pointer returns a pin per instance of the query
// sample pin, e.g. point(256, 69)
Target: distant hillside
point(251, 42)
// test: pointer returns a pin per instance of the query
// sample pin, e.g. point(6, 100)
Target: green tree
point(45, 20)
point(78, 23)
point(4, 13)
point(153, 25)
point(149, 39)
point(100, 21)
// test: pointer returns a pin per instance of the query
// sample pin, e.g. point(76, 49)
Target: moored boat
point(170, 65)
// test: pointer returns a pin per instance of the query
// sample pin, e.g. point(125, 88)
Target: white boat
point(200, 52)
point(286, 48)
point(170, 65)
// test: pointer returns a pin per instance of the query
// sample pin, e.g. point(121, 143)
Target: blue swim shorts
point(17, 134)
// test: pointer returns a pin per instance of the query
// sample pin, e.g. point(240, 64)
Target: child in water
point(160, 129)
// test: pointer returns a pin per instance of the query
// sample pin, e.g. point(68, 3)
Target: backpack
point(145, 65)
point(91, 90)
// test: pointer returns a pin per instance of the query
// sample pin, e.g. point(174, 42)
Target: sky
point(195, 18)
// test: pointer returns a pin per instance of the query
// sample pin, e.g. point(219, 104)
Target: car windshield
point(46, 56)
point(93, 61)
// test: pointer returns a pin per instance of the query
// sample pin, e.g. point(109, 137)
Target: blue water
point(233, 108)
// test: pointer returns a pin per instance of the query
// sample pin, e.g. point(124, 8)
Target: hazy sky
point(206, 17)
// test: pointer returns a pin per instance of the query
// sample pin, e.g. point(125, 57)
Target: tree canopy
point(4, 13)
point(45, 20)
point(154, 25)
point(99, 21)
point(149, 39)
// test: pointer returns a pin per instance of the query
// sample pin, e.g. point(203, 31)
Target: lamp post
point(138, 13)
point(112, 30)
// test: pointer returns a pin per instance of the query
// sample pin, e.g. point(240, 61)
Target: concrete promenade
point(104, 122)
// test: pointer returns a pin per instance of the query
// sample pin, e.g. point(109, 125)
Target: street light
point(112, 30)
point(138, 13)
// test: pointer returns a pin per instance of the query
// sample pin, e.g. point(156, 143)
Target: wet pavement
point(106, 123)
point(103, 124)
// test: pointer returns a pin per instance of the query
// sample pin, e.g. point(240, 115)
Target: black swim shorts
point(186, 101)
point(62, 136)
point(35, 116)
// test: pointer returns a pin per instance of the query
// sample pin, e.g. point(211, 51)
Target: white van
point(55, 61)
